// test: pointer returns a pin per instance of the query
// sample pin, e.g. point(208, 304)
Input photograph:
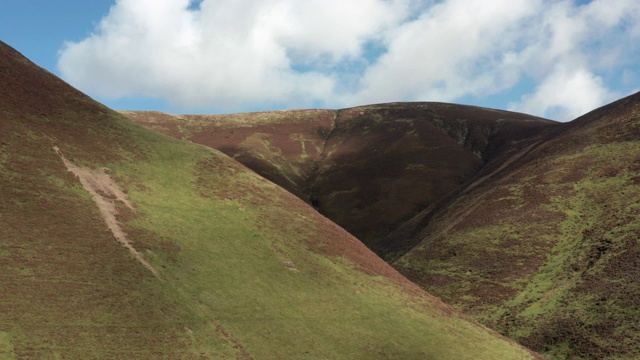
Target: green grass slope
point(282, 146)
point(370, 168)
point(243, 269)
point(544, 247)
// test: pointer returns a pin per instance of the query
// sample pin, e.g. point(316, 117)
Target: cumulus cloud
point(235, 54)
point(565, 94)
point(226, 52)
point(455, 48)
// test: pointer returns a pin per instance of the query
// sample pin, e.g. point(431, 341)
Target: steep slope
point(384, 163)
point(544, 247)
point(370, 168)
point(118, 243)
point(282, 146)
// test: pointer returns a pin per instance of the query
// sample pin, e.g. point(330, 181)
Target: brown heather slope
point(545, 247)
point(243, 269)
point(369, 168)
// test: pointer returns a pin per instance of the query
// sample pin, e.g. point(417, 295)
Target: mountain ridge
point(358, 166)
point(535, 242)
point(245, 269)
point(571, 198)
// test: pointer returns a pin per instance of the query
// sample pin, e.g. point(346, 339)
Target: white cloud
point(565, 94)
point(456, 48)
point(226, 53)
point(231, 54)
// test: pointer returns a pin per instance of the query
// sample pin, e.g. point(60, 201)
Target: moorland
point(402, 230)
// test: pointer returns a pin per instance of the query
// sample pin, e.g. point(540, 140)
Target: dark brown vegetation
point(530, 226)
point(370, 168)
point(546, 249)
point(244, 269)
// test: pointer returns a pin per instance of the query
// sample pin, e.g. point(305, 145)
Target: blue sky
point(557, 59)
point(39, 28)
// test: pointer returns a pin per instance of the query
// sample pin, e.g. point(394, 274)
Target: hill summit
point(117, 242)
point(528, 225)
point(544, 248)
point(369, 168)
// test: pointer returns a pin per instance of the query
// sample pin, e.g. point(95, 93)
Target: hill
point(117, 242)
point(526, 224)
point(544, 247)
point(369, 168)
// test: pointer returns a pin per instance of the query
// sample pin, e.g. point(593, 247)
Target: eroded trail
point(97, 183)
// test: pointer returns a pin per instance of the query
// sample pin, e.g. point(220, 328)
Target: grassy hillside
point(282, 146)
point(119, 243)
point(544, 248)
point(370, 168)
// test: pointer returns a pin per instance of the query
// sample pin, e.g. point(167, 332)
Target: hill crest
point(361, 166)
point(245, 268)
point(534, 240)
point(540, 249)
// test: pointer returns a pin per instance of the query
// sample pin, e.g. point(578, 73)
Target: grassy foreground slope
point(361, 167)
point(546, 248)
point(235, 266)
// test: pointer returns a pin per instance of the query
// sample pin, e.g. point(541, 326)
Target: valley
point(525, 224)
point(400, 230)
point(244, 269)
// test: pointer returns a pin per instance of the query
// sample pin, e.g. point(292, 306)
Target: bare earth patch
point(105, 191)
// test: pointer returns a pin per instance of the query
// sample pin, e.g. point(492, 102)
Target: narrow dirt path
point(105, 191)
